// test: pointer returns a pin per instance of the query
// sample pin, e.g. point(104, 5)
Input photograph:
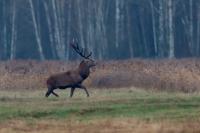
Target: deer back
point(65, 79)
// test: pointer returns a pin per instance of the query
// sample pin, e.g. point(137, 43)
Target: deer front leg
point(84, 88)
point(72, 91)
point(48, 92)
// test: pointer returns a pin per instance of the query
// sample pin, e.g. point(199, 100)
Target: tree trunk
point(69, 22)
point(161, 30)
point(191, 44)
point(13, 32)
point(143, 37)
point(49, 23)
point(80, 22)
point(98, 33)
point(129, 35)
point(5, 42)
point(117, 22)
point(90, 27)
point(154, 28)
point(198, 30)
point(171, 31)
point(37, 35)
point(57, 36)
point(61, 26)
point(102, 29)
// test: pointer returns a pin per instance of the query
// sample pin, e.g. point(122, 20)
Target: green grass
point(115, 103)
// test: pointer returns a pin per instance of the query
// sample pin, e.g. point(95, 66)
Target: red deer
point(72, 79)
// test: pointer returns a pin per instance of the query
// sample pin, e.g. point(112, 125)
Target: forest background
point(111, 29)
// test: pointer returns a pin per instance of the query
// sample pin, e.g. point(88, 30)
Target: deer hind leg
point(55, 94)
point(49, 91)
point(84, 88)
point(72, 91)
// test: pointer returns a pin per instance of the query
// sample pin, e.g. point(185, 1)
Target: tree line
point(111, 29)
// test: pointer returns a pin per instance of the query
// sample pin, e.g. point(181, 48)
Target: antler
point(81, 51)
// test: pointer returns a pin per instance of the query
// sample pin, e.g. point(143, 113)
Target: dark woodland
point(111, 29)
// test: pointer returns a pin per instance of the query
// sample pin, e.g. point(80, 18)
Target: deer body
point(70, 79)
point(64, 80)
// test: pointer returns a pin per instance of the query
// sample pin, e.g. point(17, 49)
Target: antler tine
point(89, 55)
point(81, 51)
point(86, 54)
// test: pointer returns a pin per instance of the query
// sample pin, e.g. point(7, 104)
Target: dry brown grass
point(99, 126)
point(170, 75)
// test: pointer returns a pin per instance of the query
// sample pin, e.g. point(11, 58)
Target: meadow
point(116, 110)
point(127, 96)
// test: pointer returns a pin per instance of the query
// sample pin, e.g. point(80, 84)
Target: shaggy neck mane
point(83, 70)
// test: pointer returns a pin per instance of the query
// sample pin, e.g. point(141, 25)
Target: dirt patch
point(99, 126)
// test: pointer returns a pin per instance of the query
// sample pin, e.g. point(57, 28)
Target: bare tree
point(91, 34)
point(69, 22)
point(198, 31)
point(13, 33)
point(129, 34)
point(191, 43)
point(60, 9)
point(100, 28)
point(59, 45)
point(171, 31)
point(37, 35)
point(161, 29)
point(80, 15)
point(143, 33)
point(49, 23)
point(154, 27)
point(117, 22)
point(5, 42)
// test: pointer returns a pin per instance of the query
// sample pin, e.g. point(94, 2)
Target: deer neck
point(84, 71)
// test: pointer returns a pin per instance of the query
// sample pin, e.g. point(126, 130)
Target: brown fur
point(70, 79)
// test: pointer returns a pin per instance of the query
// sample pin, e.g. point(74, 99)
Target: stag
point(72, 79)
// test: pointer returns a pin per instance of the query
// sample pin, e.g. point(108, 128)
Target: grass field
point(117, 110)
